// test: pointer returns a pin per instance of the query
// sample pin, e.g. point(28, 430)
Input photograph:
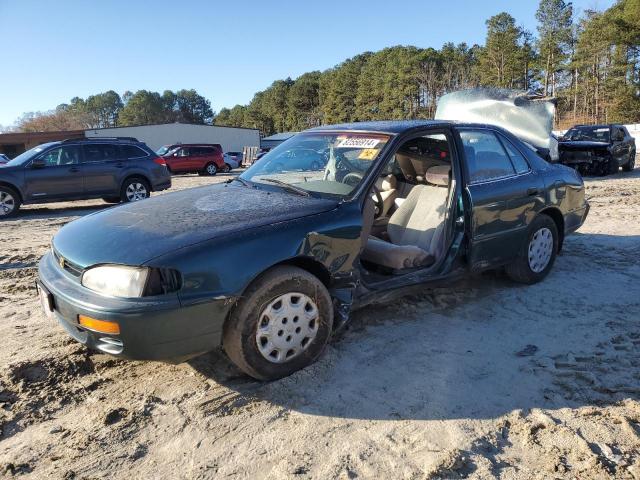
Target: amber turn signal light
point(101, 326)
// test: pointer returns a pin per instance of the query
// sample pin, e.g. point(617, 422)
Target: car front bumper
point(151, 328)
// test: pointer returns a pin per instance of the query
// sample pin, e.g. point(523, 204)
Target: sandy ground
point(483, 380)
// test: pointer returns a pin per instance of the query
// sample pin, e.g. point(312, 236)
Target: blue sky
point(54, 50)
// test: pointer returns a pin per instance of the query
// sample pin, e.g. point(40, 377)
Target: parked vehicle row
point(598, 149)
point(115, 169)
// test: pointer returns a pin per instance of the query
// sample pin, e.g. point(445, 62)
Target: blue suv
point(118, 169)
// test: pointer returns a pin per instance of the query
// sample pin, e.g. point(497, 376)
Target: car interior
point(406, 214)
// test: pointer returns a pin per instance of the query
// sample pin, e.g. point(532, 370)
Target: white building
point(232, 139)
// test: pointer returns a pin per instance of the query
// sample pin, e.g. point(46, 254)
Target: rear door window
point(518, 160)
point(100, 152)
point(486, 158)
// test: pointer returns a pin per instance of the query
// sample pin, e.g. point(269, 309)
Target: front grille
point(68, 266)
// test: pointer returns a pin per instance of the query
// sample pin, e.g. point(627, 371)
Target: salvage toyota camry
point(270, 264)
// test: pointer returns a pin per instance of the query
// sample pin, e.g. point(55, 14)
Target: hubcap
point(540, 250)
point(211, 169)
point(136, 191)
point(286, 327)
point(7, 203)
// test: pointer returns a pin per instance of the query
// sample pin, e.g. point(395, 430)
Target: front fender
point(224, 267)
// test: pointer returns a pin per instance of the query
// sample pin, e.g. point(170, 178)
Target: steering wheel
point(353, 179)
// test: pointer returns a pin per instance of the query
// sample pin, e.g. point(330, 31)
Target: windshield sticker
point(368, 154)
point(358, 142)
point(598, 130)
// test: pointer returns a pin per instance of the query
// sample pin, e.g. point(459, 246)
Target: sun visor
point(528, 118)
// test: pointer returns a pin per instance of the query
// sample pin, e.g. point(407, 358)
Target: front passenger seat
point(416, 228)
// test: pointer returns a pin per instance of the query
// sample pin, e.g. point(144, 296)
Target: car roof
point(193, 145)
point(394, 127)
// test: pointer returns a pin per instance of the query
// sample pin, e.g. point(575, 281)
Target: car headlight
point(116, 280)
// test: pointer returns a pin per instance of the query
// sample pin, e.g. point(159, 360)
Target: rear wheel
point(226, 168)
point(9, 201)
point(210, 169)
point(281, 324)
point(537, 255)
point(135, 189)
point(630, 165)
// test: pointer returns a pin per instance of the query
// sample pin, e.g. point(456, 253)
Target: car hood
point(581, 144)
point(135, 233)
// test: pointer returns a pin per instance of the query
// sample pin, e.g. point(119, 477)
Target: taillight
point(160, 161)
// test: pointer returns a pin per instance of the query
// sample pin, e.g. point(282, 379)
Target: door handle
point(74, 169)
point(532, 192)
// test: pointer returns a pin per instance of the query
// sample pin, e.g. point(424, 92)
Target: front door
point(56, 174)
point(504, 194)
point(103, 165)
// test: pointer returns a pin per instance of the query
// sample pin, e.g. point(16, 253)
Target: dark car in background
point(201, 158)
point(598, 149)
point(115, 169)
point(271, 263)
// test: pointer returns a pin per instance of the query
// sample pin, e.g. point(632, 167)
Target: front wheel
point(134, 190)
point(226, 168)
point(9, 202)
point(537, 255)
point(281, 324)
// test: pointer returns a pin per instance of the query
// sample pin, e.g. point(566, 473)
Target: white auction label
point(358, 142)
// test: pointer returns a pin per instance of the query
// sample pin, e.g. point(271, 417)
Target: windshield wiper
point(287, 186)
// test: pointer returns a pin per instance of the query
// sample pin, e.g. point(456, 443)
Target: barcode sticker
point(358, 142)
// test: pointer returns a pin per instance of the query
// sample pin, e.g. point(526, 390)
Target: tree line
point(109, 109)
point(590, 64)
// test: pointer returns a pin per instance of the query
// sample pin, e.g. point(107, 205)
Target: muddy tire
point(281, 324)
point(9, 202)
point(537, 255)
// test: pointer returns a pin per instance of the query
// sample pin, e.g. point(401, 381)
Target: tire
point(524, 270)
point(250, 350)
point(134, 189)
point(9, 202)
point(210, 169)
point(612, 166)
point(631, 163)
point(111, 199)
point(226, 168)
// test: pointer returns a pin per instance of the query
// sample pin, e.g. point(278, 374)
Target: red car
point(201, 158)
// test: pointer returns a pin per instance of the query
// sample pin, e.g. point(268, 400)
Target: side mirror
point(38, 163)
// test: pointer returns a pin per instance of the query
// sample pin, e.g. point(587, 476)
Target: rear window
point(131, 151)
point(100, 152)
point(519, 162)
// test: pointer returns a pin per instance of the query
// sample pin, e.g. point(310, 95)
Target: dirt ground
point(486, 379)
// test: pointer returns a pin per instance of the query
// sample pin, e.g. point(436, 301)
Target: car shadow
point(51, 211)
point(480, 348)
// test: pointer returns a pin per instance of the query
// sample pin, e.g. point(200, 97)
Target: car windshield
point(322, 164)
point(592, 134)
point(28, 155)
